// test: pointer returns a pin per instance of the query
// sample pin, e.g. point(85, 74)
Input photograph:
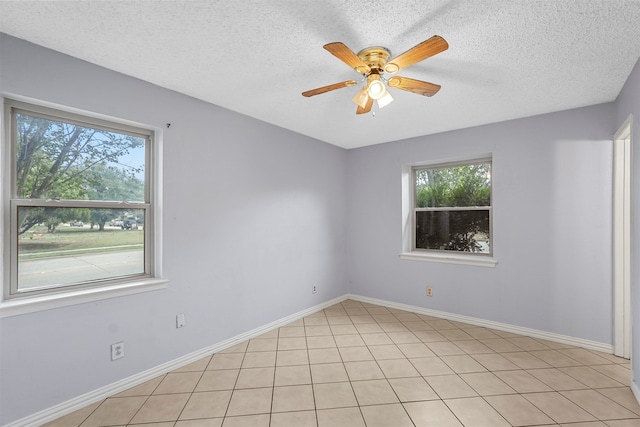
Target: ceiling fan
point(373, 63)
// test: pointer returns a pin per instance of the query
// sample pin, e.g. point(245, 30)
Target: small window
point(452, 207)
point(81, 212)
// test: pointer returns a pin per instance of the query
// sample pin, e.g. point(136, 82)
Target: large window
point(79, 201)
point(452, 207)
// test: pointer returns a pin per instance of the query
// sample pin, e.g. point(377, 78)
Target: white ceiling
point(506, 59)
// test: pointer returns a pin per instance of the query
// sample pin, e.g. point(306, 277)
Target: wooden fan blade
point(366, 108)
point(427, 48)
point(329, 88)
point(412, 85)
point(346, 55)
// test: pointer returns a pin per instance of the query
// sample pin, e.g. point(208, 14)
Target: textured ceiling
point(507, 58)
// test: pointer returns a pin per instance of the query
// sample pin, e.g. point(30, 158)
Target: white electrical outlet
point(117, 350)
point(314, 289)
point(180, 322)
point(429, 291)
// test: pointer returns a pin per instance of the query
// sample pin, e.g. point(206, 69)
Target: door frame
point(622, 142)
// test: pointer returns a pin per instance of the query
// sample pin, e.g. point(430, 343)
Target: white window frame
point(409, 251)
point(15, 302)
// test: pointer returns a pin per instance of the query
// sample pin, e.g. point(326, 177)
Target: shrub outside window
point(80, 205)
point(452, 207)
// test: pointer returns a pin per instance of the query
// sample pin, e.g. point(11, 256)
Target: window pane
point(456, 186)
point(59, 160)
point(67, 246)
point(466, 231)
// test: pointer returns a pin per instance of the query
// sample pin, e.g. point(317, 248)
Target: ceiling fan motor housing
point(375, 57)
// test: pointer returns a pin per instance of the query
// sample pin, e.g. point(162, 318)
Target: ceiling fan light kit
point(373, 62)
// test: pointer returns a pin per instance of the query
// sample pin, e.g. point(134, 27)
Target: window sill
point(26, 305)
point(480, 261)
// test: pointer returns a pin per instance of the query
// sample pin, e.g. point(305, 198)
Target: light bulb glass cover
point(385, 100)
point(376, 89)
point(361, 97)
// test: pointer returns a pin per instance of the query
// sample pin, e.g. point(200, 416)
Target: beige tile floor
point(362, 365)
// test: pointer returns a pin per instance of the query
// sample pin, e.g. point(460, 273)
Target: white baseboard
point(534, 333)
point(86, 399)
point(634, 388)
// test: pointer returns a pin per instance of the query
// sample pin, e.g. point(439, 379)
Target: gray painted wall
point(253, 216)
point(551, 224)
point(628, 102)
